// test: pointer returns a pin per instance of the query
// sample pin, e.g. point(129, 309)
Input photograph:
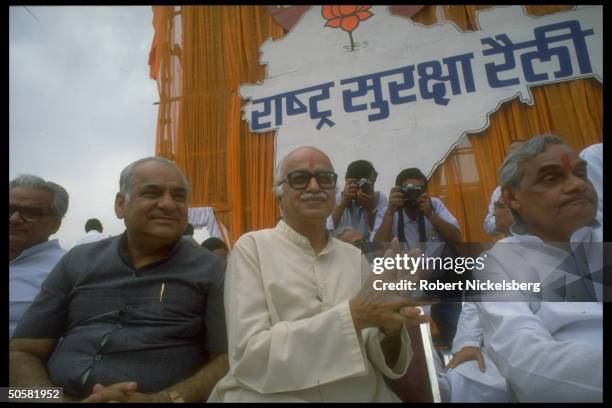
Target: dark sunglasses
point(299, 179)
point(28, 214)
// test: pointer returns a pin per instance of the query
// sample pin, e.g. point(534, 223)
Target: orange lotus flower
point(345, 17)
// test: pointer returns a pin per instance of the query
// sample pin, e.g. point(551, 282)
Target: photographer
point(424, 218)
point(414, 217)
point(359, 206)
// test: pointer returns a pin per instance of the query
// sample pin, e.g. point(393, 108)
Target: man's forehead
point(30, 196)
point(155, 173)
point(554, 155)
point(307, 159)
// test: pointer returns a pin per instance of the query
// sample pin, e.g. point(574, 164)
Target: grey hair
point(340, 231)
point(279, 176)
point(511, 171)
point(125, 180)
point(59, 205)
point(280, 171)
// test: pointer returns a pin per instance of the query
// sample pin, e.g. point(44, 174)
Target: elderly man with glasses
point(36, 209)
point(299, 326)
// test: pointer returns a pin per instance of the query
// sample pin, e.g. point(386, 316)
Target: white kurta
point(548, 351)
point(290, 332)
point(466, 383)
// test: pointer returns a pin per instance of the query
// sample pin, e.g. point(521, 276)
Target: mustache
point(320, 196)
point(577, 197)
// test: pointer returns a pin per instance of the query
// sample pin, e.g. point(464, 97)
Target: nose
point(166, 202)
point(576, 184)
point(313, 185)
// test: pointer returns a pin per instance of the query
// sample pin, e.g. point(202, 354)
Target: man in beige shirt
point(300, 327)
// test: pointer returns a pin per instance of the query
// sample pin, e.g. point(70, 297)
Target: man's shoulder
point(437, 202)
point(91, 251)
point(259, 235)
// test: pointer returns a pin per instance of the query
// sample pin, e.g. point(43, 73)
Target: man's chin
point(580, 212)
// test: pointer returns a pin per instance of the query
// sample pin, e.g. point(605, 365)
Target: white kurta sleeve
point(521, 342)
point(538, 367)
point(469, 332)
point(287, 355)
point(373, 337)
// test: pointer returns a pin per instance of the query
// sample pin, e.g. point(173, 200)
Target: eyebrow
point(556, 167)
point(161, 187)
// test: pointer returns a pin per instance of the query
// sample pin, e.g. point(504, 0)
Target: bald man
point(299, 326)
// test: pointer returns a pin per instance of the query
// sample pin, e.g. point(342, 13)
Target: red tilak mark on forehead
point(566, 161)
point(311, 162)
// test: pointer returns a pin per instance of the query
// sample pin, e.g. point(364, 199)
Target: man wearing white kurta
point(547, 351)
point(299, 327)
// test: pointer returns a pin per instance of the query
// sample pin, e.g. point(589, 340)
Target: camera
point(411, 194)
point(365, 186)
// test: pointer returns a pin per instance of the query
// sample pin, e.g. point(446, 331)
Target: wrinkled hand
point(118, 392)
point(467, 353)
point(425, 206)
point(409, 312)
point(372, 308)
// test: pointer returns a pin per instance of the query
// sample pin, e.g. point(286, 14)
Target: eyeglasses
point(299, 179)
point(28, 214)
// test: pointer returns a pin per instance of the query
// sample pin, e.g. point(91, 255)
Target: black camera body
point(411, 194)
point(365, 186)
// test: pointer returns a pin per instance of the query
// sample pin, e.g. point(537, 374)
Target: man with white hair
point(36, 209)
point(547, 350)
point(299, 327)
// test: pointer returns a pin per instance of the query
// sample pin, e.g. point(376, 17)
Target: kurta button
point(98, 357)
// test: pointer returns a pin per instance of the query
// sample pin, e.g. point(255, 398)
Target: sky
point(81, 103)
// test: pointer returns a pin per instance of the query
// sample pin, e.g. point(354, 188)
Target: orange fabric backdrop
point(201, 54)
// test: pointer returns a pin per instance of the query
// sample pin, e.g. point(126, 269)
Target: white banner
point(360, 83)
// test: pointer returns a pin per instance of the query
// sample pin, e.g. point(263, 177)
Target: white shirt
point(291, 336)
point(489, 222)
point(26, 274)
point(593, 155)
point(91, 236)
point(466, 382)
point(357, 217)
point(547, 351)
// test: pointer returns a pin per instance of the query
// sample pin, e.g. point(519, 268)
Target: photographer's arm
point(349, 192)
point(447, 231)
point(337, 214)
point(384, 232)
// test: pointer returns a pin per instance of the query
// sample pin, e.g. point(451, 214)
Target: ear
point(509, 196)
point(119, 205)
point(56, 224)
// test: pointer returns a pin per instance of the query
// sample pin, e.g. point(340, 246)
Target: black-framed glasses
point(28, 214)
point(299, 179)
